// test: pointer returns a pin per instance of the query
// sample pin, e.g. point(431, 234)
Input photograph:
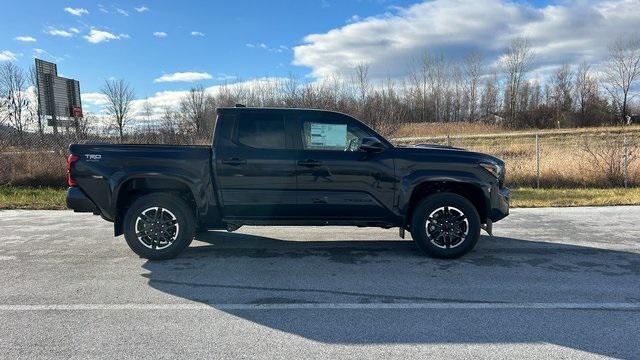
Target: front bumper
point(500, 199)
point(79, 202)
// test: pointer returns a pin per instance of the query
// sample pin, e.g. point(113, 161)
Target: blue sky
point(164, 47)
point(223, 50)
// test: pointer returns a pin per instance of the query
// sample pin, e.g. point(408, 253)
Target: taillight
point(70, 160)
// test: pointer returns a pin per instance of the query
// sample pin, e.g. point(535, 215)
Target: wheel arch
point(472, 192)
point(139, 185)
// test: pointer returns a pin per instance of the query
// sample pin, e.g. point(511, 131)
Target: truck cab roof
point(244, 110)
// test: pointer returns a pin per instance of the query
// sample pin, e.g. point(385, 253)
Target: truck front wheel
point(158, 226)
point(445, 225)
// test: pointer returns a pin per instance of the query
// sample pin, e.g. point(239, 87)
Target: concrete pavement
point(552, 282)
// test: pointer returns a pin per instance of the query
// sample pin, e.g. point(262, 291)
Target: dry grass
point(421, 132)
point(564, 159)
point(530, 197)
point(28, 168)
point(444, 129)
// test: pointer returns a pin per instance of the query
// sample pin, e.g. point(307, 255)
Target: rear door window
point(262, 131)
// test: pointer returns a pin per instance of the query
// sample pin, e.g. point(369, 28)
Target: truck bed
point(102, 170)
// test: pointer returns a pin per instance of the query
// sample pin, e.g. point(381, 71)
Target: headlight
point(494, 169)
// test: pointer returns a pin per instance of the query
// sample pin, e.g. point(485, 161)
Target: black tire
point(175, 238)
point(448, 206)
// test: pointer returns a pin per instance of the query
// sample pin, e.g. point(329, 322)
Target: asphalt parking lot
point(552, 282)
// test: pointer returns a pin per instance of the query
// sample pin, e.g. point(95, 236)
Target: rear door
point(336, 180)
point(256, 169)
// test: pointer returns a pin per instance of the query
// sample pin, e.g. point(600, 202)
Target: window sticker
point(328, 136)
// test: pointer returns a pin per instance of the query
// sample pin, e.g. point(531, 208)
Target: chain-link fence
point(557, 159)
point(39, 159)
point(547, 159)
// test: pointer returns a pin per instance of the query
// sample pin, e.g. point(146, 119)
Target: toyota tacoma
point(269, 166)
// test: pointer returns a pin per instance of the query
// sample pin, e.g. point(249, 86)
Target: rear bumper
point(500, 199)
point(79, 202)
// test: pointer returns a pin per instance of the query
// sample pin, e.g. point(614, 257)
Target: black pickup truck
point(270, 166)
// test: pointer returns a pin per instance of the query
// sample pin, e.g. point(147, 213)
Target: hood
point(443, 150)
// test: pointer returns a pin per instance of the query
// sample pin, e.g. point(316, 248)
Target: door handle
point(310, 163)
point(234, 161)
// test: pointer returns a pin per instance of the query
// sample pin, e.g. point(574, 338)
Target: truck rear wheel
point(445, 225)
point(159, 226)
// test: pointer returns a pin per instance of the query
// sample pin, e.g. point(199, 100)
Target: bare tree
point(419, 87)
point(586, 89)
point(457, 95)
point(35, 86)
point(14, 99)
point(290, 90)
point(194, 109)
point(438, 75)
point(147, 113)
point(516, 62)
point(119, 103)
point(363, 88)
point(489, 102)
point(562, 83)
point(82, 125)
point(622, 72)
point(473, 68)
point(535, 95)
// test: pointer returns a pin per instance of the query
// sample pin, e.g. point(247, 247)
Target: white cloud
point(278, 49)
point(7, 55)
point(95, 98)
point(188, 76)
point(102, 8)
point(74, 30)
point(225, 77)
point(563, 32)
point(257, 45)
point(197, 33)
point(171, 99)
point(97, 36)
point(122, 12)
point(354, 18)
point(163, 99)
point(160, 34)
point(124, 36)
point(142, 9)
point(76, 11)
point(59, 32)
point(25, 38)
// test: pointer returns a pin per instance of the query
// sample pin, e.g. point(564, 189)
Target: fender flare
point(411, 182)
point(118, 182)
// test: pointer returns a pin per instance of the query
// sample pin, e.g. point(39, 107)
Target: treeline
point(437, 89)
point(441, 90)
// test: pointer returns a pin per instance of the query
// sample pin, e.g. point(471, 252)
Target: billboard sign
point(58, 97)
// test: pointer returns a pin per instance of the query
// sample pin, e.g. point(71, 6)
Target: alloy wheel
point(157, 228)
point(447, 227)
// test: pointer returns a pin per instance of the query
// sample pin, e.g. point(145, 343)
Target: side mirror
point(372, 145)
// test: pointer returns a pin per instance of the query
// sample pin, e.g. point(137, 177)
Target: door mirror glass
point(372, 145)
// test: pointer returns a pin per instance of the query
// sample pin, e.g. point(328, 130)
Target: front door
point(256, 170)
point(336, 180)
